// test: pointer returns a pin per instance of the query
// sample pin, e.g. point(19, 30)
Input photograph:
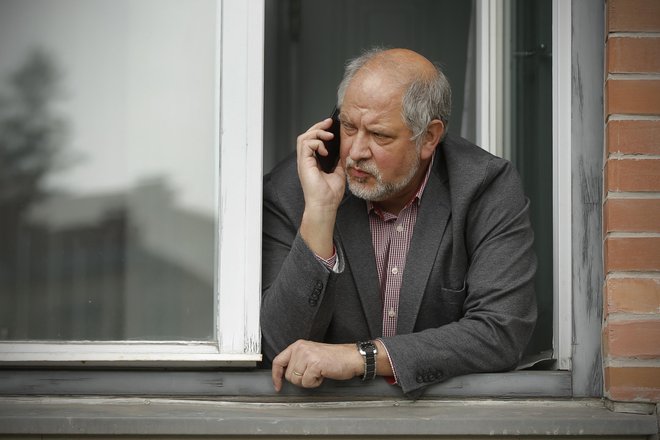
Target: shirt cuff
point(392, 380)
point(331, 263)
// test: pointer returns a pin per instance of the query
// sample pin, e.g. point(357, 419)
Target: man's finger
point(279, 367)
point(311, 380)
point(327, 122)
point(276, 375)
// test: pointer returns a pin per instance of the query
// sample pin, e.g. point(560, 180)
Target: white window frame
point(562, 184)
point(238, 144)
point(490, 135)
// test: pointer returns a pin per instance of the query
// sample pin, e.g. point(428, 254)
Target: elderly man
point(422, 270)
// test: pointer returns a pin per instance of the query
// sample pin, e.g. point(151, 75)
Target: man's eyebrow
point(380, 128)
point(375, 127)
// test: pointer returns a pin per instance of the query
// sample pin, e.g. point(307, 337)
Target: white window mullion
point(562, 200)
point(241, 105)
point(483, 73)
point(490, 15)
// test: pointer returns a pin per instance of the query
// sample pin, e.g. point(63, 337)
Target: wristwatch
point(368, 351)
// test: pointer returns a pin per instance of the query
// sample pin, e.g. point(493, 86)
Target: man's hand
point(323, 191)
point(306, 364)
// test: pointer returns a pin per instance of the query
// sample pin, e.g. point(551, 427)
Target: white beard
point(381, 190)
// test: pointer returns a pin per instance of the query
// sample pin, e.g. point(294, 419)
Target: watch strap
point(368, 351)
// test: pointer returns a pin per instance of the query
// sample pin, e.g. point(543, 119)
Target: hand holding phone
point(329, 162)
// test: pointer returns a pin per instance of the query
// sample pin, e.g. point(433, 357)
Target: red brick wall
point(631, 212)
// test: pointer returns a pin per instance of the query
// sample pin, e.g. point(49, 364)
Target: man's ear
point(434, 133)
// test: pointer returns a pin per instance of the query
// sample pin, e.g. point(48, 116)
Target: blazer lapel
point(432, 217)
point(353, 228)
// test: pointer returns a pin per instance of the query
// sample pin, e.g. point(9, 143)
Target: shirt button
point(395, 270)
point(391, 313)
point(399, 228)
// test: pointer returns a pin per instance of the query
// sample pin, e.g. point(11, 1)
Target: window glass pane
point(527, 65)
point(107, 169)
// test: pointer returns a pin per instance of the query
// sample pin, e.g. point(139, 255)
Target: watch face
point(366, 347)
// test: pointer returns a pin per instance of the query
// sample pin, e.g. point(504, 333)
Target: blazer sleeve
point(499, 311)
point(295, 302)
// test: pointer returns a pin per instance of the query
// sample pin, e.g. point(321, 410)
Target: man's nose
point(360, 148)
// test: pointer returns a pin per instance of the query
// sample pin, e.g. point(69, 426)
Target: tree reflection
point(31, 137)
point(124, 263)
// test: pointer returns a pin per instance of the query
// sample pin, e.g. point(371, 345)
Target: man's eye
point(348, 128)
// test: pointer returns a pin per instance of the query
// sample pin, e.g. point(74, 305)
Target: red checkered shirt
point(391, 237)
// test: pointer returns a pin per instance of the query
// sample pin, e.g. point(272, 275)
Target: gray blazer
point(467, 300)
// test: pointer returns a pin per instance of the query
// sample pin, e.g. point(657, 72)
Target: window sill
point(211, 402)
point(383, 418)
point(237, 384)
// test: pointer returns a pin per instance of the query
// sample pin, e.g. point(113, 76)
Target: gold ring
point(296, 373)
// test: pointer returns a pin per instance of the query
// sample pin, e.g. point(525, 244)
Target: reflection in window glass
point(107, 169)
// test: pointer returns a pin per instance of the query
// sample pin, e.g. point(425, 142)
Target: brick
point(633, 55)
point(633, 137)
point(632, 254)
point(633, 383)
point(639, 174)
point(632, 339)
point(632, 295)
point(633, 16)
point(631, 215)
point(632, 96)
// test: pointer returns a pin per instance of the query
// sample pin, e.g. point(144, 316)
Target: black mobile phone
point(329, 162)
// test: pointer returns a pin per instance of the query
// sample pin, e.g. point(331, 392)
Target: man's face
point(380, 160)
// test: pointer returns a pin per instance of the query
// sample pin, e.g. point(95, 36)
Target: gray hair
point(426, 97)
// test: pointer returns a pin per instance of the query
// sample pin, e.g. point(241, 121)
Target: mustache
point(363, 165)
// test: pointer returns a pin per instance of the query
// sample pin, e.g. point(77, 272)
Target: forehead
point(373, 99)
point(373, 91)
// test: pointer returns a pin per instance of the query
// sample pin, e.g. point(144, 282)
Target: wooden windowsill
point(387, 418)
